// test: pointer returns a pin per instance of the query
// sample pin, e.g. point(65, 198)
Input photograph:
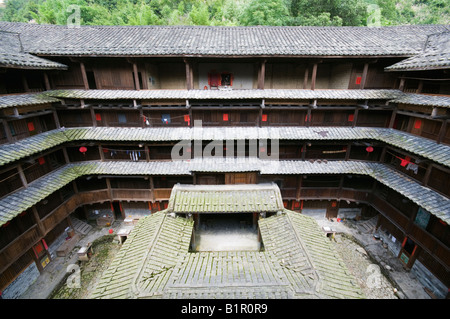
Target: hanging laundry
point(405, 161)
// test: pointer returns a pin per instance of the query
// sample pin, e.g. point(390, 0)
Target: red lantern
point(83, 149)
point(111, 231)
point(369, 149)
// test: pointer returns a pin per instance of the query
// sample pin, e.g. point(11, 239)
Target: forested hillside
point(230, 12)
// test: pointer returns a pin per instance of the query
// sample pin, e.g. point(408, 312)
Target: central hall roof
point(225, 198)
point(222, 41)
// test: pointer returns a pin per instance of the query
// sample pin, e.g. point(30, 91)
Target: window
point(122, 118)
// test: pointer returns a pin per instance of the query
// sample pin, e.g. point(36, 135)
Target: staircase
point(80, 226)
point(368, 226)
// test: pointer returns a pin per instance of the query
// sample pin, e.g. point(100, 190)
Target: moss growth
point(104, 251)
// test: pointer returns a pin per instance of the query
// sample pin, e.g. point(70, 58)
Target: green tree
point(199, 14)
point(328, 12)
point(265, 12)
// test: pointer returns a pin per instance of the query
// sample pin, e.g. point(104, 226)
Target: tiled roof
point(423, 99)
point(24, 99)
point(20, 200)
point(225, 199)
point(222, 41)
point(298, 262)
point(313, 265)
point(13, 56)
point(436, 55)
point(426, 148)
point(279, 94)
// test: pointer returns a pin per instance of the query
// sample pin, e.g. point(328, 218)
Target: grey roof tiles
point(12, 55)
point(23, 199)
point(412, 143)
point(436, 55)
point(281, 94)
point(222, 41)
point(24, 99)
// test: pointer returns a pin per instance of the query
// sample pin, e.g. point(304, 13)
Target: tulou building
point(184, 127)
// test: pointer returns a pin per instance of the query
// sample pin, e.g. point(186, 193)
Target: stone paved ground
point(370, 278)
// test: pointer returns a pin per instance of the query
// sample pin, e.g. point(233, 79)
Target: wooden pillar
point(305, 79)
point(364, 75)
point(147, 153)
point(69, 222)
point(355, 117)
point(442, 131)
point(152, 188)
point(402, 84)
point(94, 119)
point(66, 156)
point(332, 209)
point(108, 186)
point(7, 130)
point(38, 221)
point(426, 178)
point(304, 151)
point(56, 118)
point(308, 117)
point(136, 77)
point(22, 175)
point(25, 83)
point(189, 75)
point(392, 120)
point(347, 151)
point(420, 87)
point(37, 262)
point(261, 74)
point(299, 187)
point(84, 76)
point(383, 154)
point(314, 76)
point(341, 185)
point(47, 82)
point(102, 155)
